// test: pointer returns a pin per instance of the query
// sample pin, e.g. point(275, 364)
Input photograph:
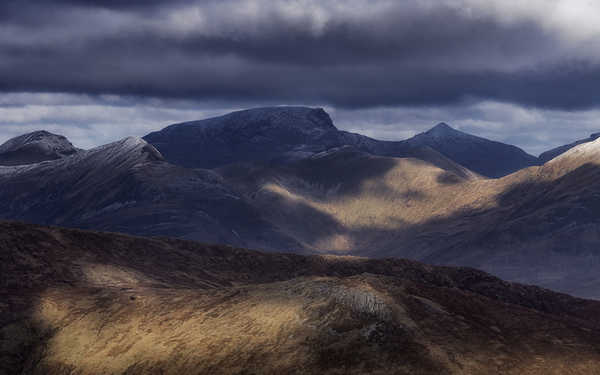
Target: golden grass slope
point(76, 302)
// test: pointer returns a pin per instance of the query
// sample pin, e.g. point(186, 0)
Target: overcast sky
point(523, 72)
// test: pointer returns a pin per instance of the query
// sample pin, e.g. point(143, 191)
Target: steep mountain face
point(551, 154)
point(488, 158)
point(127, 186)
point(98, 303)
point(277, 135)
point(34, 148)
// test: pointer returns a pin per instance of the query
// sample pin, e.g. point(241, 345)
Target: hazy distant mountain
point(488, 158)
point(100, 303)
point(35, 147)
point(551, 154)
point(127, 186)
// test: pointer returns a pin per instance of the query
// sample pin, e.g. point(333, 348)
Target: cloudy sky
point(523, 72)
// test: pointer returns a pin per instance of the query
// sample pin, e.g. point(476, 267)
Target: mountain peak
point(35, 147)
point(486, 157)
point(304, 119)
point(257, 134)
point(442, 126)
point(130, 148)
point(443, 130)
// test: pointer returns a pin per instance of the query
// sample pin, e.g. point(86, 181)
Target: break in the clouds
point(108, 68)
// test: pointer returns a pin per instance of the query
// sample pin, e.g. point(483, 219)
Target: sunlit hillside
point(98, 303)
point(536, 225)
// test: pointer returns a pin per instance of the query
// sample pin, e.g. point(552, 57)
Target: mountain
point(540, 225)
point(34, 148)
point(488, 158)
point(274, 134)
point(343, 200)
point(99, 303)
point(551, 154)
point(127, 186)
point(259, 134)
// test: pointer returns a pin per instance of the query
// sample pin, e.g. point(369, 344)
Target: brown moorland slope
point(80, 302)
point(540, 225)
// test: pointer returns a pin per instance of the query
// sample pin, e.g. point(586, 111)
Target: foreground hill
point(34, 148)
point(90, 303)
point(127, 186)
point(488, 158)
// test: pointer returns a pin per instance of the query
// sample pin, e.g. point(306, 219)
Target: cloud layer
point(356, 53)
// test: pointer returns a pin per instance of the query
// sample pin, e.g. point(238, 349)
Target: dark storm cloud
point(361, 54)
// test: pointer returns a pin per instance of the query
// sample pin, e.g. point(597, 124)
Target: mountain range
point(285, 179)
point(82, 302)
point(283, 134)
